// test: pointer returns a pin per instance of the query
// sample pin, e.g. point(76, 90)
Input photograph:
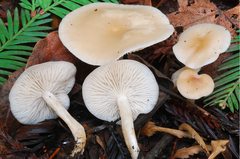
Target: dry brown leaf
point(150, 129)
point(137, 2)
point(186, 152)
point(56, 21)
point(145, 2)
point(101, 143)
point(203, 11)
point(233, 15)
point(218, 146)
point(6, 5)
point(10, 147)
point(195, 136)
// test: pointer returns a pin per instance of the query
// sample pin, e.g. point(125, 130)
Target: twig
point(54, 153)
point(166, 139)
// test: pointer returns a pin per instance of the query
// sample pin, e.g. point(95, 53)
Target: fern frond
point(226, 93)
point(235, 47)
point(16, 45)
point(67, 6)
point(59, 7)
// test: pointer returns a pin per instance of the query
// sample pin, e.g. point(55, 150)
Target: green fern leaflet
point(14, 43)
point(17, 44)
point(227, 85)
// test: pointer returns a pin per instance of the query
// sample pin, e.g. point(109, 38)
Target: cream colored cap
point(99, 33)
point(176, 74)
point(194, 86)
point(201, 44)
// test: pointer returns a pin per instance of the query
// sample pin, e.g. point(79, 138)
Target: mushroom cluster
point(98, 34)
point(198, 46)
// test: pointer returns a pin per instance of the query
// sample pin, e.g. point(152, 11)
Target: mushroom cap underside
point(26, 102)
point(102, 88)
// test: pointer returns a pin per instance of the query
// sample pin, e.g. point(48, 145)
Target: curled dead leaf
point(101, 143)
point(150, 129)
point(195, 136)
point(218, 146)
point(186, 152)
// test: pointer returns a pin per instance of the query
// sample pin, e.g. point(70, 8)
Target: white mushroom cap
point(123, 88)
point(98, 33)
point(26, 102)
point(102, 88)
point(201, 44)
point(194, 86)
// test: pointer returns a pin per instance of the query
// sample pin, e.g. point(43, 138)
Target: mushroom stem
point(127, 126)
point(76, 128)
point(191, 100)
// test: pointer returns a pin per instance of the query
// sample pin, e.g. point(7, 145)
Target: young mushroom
point(201, 44)
point(99, 33)
point(176, 74)
point(125, 89)
point(40, 93)
point(194, 86)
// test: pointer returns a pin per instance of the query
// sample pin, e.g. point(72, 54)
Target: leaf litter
point(111, 144)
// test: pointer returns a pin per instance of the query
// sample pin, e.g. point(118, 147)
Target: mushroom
point(99, 33)
point(123, 89)
point(201, 44)
point(40, 93)
point(176, 74)
point(194, 86)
